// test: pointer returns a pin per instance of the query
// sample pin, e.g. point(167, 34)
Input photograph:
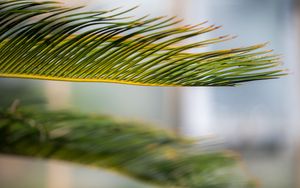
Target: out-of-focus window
point(258, 118)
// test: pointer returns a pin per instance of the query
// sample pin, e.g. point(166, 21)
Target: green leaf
point(42, 40)
point(136, 150)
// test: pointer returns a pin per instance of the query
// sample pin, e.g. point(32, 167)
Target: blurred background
point(260, 120)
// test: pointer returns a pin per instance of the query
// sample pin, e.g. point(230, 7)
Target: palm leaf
point(136, 150)
point(43, 40)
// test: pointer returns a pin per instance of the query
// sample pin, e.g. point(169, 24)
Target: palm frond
point(42, 40)
point(136, 150)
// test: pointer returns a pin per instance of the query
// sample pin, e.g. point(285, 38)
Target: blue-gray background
point(259, 119)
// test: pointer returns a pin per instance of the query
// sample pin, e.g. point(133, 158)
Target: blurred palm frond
point(145, 153)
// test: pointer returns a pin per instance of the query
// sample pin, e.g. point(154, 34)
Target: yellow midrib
point(41, 77)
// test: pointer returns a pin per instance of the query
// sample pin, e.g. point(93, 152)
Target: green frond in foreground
point(142, 152)
point(42, 40)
